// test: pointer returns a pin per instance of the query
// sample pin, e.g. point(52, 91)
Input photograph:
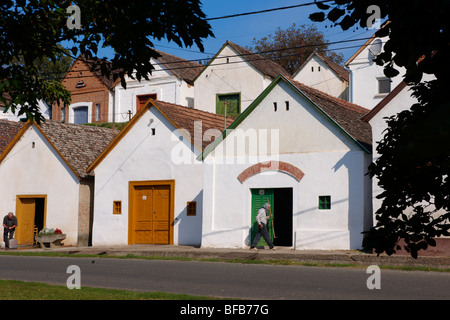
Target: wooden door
point(143, 215)
point(259, 198)
point(151, 214)
point(161, 214)
point(26, 208)
point(141, 100)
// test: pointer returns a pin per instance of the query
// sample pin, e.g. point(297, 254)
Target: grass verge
point(21, 290)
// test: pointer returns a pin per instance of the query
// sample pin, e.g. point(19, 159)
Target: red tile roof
point(190, 119)
point(184, 69)
point(8, 130)
point(263, 64)
point(347, 115)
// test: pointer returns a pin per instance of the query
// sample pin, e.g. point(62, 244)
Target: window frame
point(220, 95)
point(324, 202)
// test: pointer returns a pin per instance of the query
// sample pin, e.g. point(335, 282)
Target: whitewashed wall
point(324, 79)
point(41, 171)
point(332, 163)
point(43, 107)
point(236, 76)
point(164, 83)
point(140, 156)
point(363, 79)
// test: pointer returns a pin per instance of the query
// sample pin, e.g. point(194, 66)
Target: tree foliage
point(292, 46)
point(414, 164)
point(35, 29)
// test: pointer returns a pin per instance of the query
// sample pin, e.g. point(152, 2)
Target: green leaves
point(125, 26)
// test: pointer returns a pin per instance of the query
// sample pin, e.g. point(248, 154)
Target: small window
point(324, 202)
point(153, 131)
point(384, 86)
point(287, 105)
point(191, 208)
point(97, 112)
point(275, 107)
point(117, 207)
point(312, 69)
point(318, 68)
point(63, 115)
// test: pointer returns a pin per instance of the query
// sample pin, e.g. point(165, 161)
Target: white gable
point(228, 73)
point(318, 75)
point(301, 129)
point(365, 73)
point(33, 167)
point(146, 155)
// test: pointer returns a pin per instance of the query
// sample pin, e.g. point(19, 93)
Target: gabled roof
point(345, 115)
point(77, 145)
point(181, 117)
point(108, 82)
point(264, 65)
point(368, 116)
point(184, 69)
point(8, 130)
point(340, 71)
point(369, 41)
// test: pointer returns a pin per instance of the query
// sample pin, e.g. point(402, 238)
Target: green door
point(259, 198)
point(229, 103)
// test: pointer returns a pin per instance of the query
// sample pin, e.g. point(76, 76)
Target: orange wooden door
point(161, 214)
point(26, 208)
point(151, 216)
point(143, 215)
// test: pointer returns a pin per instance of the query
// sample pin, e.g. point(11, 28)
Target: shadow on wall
point(356, 198)
point(190, 227)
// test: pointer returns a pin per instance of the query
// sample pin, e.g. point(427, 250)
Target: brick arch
point(271, 166)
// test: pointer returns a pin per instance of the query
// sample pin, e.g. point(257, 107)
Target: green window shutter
point(230, 102)
point(324, 202)
point(259, 198)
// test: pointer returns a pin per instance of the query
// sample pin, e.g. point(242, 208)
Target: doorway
point(151, 212)
point(280, 228)
point(31, 213)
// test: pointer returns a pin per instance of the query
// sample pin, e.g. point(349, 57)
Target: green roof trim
point(256, 102)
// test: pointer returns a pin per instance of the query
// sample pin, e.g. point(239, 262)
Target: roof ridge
point(348, 105)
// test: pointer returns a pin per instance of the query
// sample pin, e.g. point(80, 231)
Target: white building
point(320, 73)
point(43, 179)
point(306, 153)
point(148, 183)
point(368, 83)
point(171, 81)
point(44, 108)
point(234, 78)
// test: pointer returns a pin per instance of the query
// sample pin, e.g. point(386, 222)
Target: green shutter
point(232, 102)
point(259, 198)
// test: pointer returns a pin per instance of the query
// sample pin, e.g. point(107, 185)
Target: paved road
point(229, 280)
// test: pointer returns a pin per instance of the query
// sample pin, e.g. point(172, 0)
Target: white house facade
point(42, 179)
point(233, 78)
point(368, 83)
point(320, 73)
point(171, 81)
point(149, 185)
point(289, 149)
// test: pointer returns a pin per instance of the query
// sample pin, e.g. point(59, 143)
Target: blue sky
point(242, 30)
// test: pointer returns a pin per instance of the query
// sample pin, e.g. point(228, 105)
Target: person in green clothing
point(261, 219)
